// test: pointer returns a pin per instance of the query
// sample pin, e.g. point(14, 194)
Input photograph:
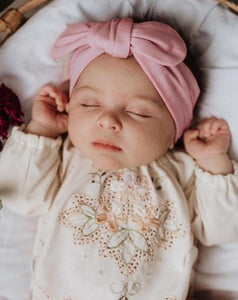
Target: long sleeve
point(212, 200)
point(214, 203)
point(29, 167)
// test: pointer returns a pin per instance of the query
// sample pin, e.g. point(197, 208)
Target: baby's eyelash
point(139, 115)
point(89, 105)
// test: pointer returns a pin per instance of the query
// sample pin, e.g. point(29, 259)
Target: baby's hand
point(48, 113)
point(208, 144)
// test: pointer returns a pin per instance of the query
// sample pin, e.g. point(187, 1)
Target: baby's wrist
point(218, 164)
point(35, 127)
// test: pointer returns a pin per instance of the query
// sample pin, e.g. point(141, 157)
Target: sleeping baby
point(120, 208)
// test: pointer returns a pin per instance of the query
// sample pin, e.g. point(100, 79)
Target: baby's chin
point(110, 166)
point(108, 163)
point(114, 165)
point(117, 161)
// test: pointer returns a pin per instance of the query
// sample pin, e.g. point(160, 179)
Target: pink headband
point(157, 48)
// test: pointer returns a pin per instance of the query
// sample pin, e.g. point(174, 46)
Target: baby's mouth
point(105, 145)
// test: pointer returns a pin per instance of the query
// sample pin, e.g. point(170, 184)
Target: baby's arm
point(48, 113)
point(30, 164)
point(208, 144)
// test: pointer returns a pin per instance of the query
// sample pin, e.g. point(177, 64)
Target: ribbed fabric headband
point(157, 48)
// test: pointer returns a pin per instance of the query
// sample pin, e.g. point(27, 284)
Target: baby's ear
point(64, 87)
point(171, 142)
point(171, 146)
point(67, 107)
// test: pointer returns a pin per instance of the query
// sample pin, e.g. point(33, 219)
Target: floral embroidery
point(86, 218)
point(130, 240)
point(127, 221)
point(97, 177)
point(125, 290)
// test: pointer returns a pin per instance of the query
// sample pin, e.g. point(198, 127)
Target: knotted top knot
point(113, 38)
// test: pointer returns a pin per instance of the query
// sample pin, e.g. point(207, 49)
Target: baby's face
point(116, 117)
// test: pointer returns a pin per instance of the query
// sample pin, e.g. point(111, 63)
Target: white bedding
point(25, 64)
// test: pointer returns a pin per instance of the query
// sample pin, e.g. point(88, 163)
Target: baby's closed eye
point(138, 114)
point(89, 105)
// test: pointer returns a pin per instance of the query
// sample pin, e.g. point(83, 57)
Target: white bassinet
point(211, 32)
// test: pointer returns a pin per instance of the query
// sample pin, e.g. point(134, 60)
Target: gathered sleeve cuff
point(214, 213)
point(29, 167)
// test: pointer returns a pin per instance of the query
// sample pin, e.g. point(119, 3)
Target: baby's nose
point(109, 120)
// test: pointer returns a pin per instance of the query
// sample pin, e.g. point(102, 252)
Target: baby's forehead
point(122, 74)
point(120, 79)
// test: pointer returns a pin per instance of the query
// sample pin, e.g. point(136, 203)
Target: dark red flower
point(10, 110)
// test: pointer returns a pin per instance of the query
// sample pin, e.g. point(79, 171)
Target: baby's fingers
point(205, 128)
point(191, 139)
point(190, 135)
point(61, 101)
point(53, 96)
point(220, 127)
point(212, 127)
